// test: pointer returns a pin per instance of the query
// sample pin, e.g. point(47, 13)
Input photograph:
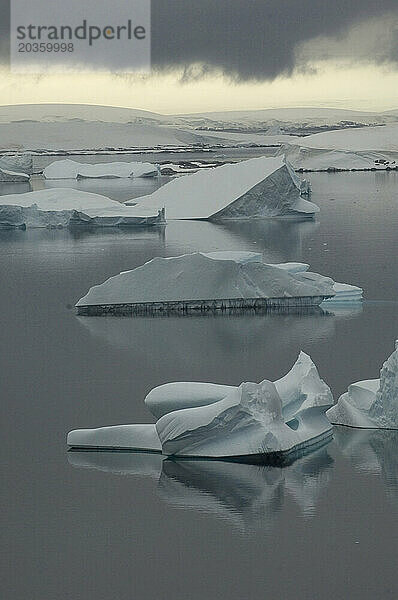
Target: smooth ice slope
point(132, 437)
point(70, 169)
point(61, 206)
point(255, 188)
point(343, 292)
point(301, 386)
point(370, 404)
point(198, 277)
point(214, 421)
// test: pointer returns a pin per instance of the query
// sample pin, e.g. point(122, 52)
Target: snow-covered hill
point(79, 127)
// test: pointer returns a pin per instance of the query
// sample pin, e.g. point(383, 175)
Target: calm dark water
point(94, 526)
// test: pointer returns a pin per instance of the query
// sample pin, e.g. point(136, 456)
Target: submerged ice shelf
point(255, 188)
point(213, 281)
point(372, 403)
point(62, 207)
point(263, 422)
point(71, 169)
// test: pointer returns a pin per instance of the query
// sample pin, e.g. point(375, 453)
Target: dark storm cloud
point(246, 39)
point(251, 38)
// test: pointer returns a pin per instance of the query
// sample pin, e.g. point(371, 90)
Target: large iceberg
point(199, 282)
point(62, 207)
point(265, 422)
point(70, 169)
point(215, 281)
point(255, 188)
point(370, 404)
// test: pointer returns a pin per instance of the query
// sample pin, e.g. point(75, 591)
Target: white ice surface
point(249, 421)
point(235, 255)
point(197, 277)
point(357, 148)
point(356, 139)
point(184, 394)
point(300, 387)
point(70, 169)
point(132, 437)
point(259, 187)
point(370, 404)
point(62, 201)
point(214, 421)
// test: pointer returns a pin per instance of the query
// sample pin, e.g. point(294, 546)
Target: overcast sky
point(214, 54)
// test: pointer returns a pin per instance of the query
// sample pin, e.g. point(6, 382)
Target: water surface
point(99, 526)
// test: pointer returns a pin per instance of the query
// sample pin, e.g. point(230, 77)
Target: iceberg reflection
point(248, 496)
point(373, 452)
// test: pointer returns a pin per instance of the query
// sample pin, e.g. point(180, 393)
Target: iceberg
point(370, 404)
point(255, 188)
point(253, 419)
point(223, 280)
point(21, 164)
point(70, 169)
point(257, 422)
point(63, 207)
point(357, 149)
point(199, 283)
point(12, 176)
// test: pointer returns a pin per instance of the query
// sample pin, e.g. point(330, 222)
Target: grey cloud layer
point(246, 39)
point(252, 38)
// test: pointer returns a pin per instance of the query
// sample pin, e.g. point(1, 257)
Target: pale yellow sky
point(340, 85)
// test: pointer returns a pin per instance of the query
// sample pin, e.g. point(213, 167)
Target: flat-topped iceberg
point(214, 281)
point(255, 188)
point(257, 421)
point(71, 169)
point(61, 207)
point(370, 404)
point(197, 282)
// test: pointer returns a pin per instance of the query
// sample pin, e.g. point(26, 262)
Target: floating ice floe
point(213, 281)
point(70, 169)
point(62, 207)
point(265, 421)
point(197, 282)
point(255, 188)
point(370, 404)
